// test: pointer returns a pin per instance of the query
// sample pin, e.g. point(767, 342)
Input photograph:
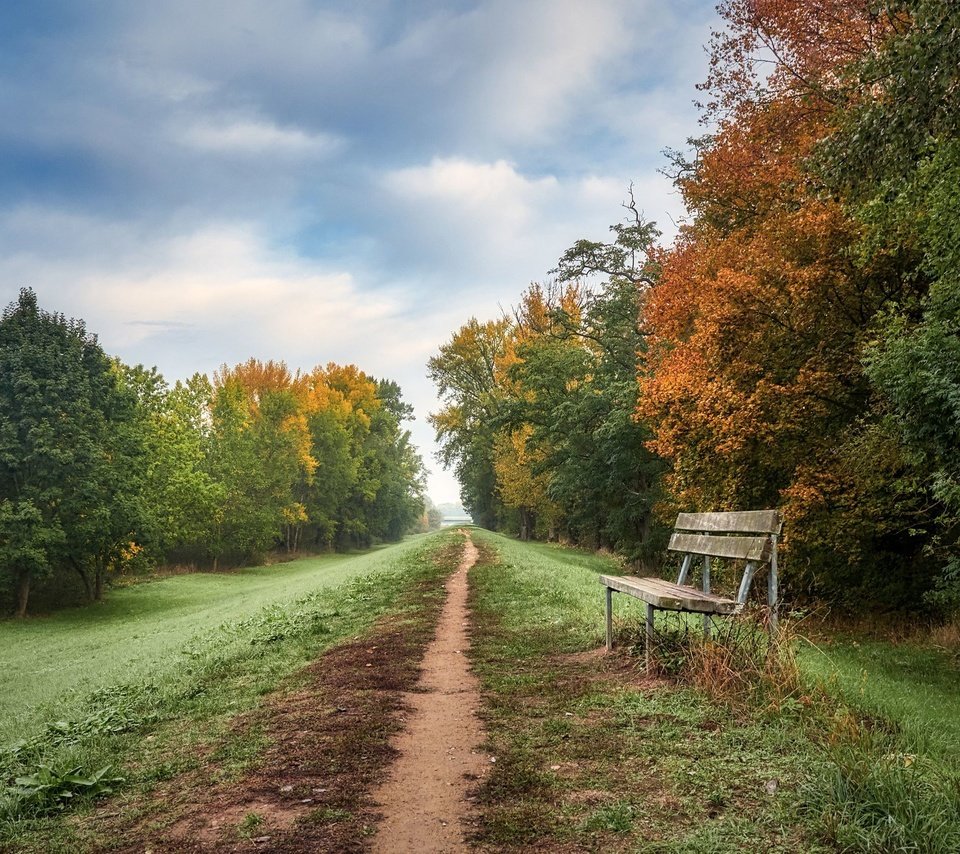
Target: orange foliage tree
point(754, 376)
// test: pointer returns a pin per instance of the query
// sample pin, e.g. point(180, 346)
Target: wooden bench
point(750, 536)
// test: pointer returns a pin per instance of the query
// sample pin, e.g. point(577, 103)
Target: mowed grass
point(914, 687)
point(593, 755)
point(48, 664)
point(172, 710)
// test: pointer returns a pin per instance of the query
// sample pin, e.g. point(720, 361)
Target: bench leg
point(609, 619)
point(649, 638)
point(773, 594)
point(706, 589)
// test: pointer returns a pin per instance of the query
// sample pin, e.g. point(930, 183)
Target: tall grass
point(740, 663)
point(891, 720)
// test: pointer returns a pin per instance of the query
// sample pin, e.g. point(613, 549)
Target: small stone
point(772, 786)
point(286, 788)
point(554, 767)
point(262, 839)
point(493, 758)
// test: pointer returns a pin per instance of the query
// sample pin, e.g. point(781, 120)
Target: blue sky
point(206, 181)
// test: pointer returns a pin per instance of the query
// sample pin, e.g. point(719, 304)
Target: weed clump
point(873, 796)
point(740, 664)
point(49, 789)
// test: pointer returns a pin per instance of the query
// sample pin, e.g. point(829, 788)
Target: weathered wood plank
point(743, 548)
point(668, 596)
point(741, 522)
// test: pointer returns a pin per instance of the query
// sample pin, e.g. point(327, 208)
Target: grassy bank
point(170, 710)
point(591, 754)
point(48, 665)
point(915, 687)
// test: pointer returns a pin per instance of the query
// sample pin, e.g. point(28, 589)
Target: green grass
point(915, 688)
point(893, 780)
point(590, 754)
point(169, 709)
point(150, 631)
point(869, 762)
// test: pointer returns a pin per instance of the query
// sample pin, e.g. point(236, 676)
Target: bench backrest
point(744, 535)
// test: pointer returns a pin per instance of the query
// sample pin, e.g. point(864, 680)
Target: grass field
point(591, 753)
point(197, 655)
point(146, 632)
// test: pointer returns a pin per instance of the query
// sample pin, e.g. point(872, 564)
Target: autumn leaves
point(794, 347)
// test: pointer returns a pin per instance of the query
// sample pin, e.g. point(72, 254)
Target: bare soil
point(427, 803)
point(379, 747)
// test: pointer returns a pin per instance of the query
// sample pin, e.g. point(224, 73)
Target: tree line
point(106, 468)
point(798, 344)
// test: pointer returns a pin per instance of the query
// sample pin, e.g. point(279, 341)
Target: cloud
point(256, 137)
point(493, 225)
point(305, 180)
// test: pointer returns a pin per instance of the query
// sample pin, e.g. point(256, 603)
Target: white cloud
point(490, 224)
point(252, 136)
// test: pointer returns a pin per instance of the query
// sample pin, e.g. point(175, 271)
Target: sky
point(203, 181)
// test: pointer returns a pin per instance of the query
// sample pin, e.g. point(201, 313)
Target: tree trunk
point(23, 593)
point(98, 576)
point(84, 578)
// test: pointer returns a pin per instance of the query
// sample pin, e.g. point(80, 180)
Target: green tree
point(180, 495)
point(69, 451)
point(465, 374)
point(576, 372)
point(895, 160)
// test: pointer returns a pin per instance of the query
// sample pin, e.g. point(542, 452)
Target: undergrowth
point(879, 790)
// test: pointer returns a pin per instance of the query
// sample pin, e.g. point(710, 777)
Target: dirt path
point(326, 741)
point(426, 801)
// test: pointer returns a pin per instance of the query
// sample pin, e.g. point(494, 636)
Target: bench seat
point(667, 596)
point(749, 536)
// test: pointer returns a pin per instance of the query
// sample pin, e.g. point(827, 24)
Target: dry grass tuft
point(947, 636)
point(740, 664)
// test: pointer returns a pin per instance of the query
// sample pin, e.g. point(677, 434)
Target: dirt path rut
point(425, 802)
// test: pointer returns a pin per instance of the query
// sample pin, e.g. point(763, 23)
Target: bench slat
point(668, 596)
point(742, 521)
point(744, 548)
